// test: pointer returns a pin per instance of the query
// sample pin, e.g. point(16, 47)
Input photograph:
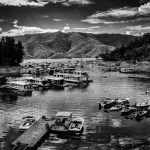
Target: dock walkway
point(33, 137)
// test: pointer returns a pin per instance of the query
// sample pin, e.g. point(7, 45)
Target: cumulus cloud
point(22, 30)
point(41, 3)
point(144, 9)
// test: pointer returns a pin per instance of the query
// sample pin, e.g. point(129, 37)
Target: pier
point(34, 136)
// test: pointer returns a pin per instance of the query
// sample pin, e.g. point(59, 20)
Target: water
point(100, 127)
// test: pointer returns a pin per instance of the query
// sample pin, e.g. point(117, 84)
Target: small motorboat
point(107, 104)
point(116, 108)
point(76, 126)
point(128, 110)
point(28, 121)
point(142, 105)
point(122, 101)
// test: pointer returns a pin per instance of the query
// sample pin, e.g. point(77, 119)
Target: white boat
point(127, 70)
point(28, 121)
point(55, 82)
point(72, 78)
point(142, 105)
point(76, 126)
point(20, 87)
point(116, 108)
point(64, 124)
point(40, 82)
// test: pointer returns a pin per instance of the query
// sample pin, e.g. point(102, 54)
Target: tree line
point(137, 50)
point(11, 52)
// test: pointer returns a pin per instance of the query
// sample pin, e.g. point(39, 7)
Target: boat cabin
point(64, 116)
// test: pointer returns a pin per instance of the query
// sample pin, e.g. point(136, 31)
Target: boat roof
point(64, 114)
point(20, 82)
point(54, 78)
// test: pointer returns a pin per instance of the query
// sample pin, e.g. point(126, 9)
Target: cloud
point(0, 29)
point(87, 29)
point(58, 20)
point(66, 29)
point(137, 30)
point(117, 13)
point(76, 2)
point(41, 3)
point(22, 30)
point(97, 21)
point(144, 9)
point(35, 3)
point(45, 16)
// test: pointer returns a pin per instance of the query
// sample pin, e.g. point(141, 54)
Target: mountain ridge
point(71, 45)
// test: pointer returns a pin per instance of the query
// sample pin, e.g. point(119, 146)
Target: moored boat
point(64, 124)
point(143, 104)
point(56, 82)
point(116, 108)
point(28, 121)
point(128, 110)
point(20, 87)
point(76, 126)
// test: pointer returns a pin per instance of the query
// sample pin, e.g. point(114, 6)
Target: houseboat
point(40, 83)
point(62, 122)
point(20, 87)
point(56, 82)
point(127, 70)
point(72, 78)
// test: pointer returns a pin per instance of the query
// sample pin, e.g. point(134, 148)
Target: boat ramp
point(34, 136)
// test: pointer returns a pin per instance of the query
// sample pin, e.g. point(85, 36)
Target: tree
point(10, 52)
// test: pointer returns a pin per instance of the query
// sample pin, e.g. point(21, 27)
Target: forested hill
point(139, 49)
point(71, 45)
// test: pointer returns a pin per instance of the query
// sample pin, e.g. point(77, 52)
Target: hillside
point(71, 45)
point(137, 50)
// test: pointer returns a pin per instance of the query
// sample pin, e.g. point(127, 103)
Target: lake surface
point(100, 127)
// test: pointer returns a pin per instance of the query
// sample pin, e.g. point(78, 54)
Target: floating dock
point(34, 136)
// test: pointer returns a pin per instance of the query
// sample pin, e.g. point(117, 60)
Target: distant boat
point(142, 105)
point(127, 70)
point(116, 108)
point(20, 87)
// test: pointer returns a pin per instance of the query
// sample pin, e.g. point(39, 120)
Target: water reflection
point(8, 97)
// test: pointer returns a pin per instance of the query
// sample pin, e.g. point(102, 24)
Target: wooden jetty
point(34, 136)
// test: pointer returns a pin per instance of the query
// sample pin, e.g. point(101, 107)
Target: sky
point(20, 17)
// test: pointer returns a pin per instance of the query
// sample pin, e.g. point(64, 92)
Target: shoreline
point(139, 67)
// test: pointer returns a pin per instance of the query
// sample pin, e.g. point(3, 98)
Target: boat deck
point(34, 135)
